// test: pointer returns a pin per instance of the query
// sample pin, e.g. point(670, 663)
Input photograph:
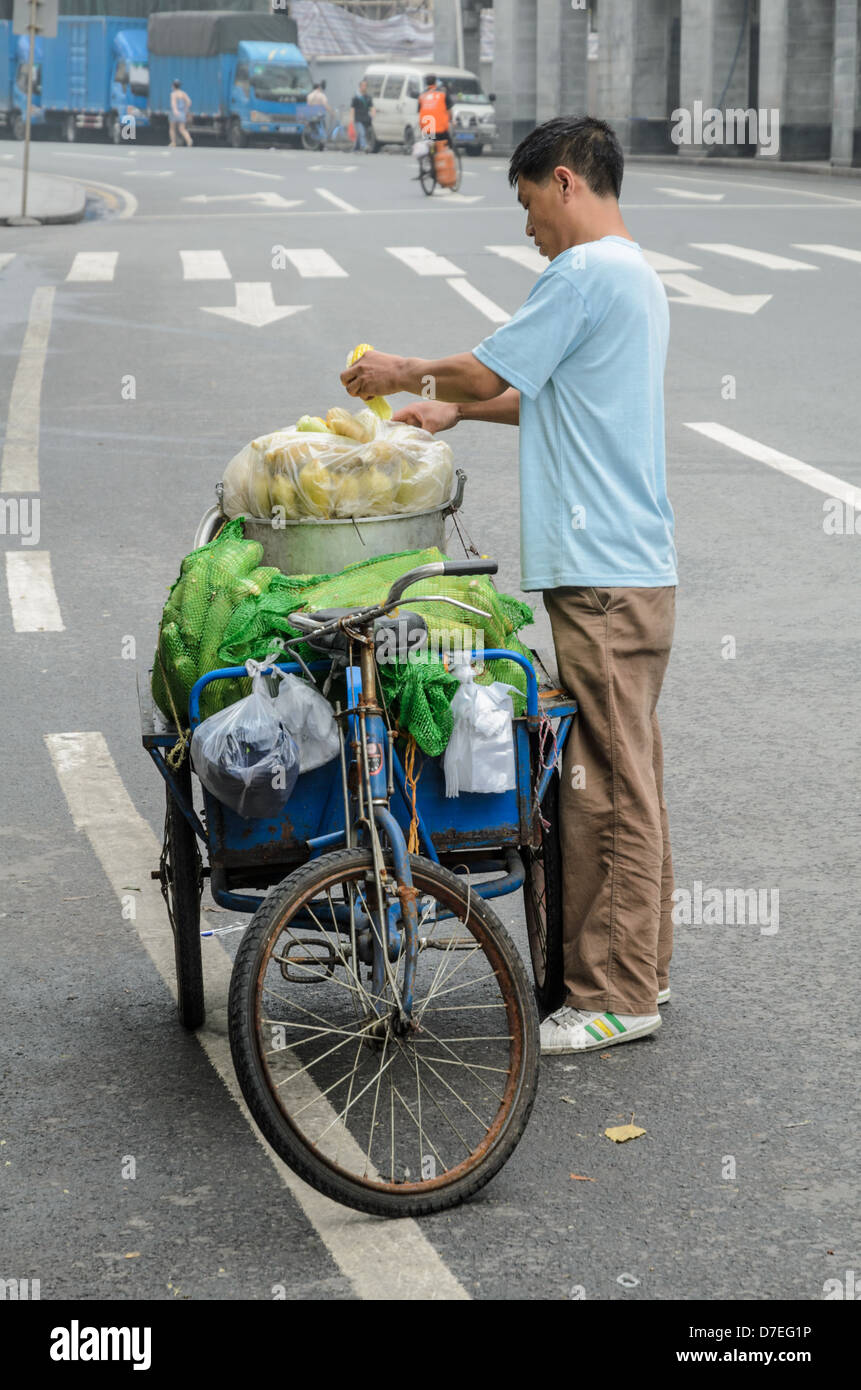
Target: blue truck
point(92, 76)
point(244, 73)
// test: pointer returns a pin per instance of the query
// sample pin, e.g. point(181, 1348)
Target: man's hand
point(433, 416)
point(375, 374)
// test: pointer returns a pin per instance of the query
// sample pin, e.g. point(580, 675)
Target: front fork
point(369, 760)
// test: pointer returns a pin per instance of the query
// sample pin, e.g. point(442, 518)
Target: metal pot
point(327, 547)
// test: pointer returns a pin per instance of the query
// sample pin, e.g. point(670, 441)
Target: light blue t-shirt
point(587, 353)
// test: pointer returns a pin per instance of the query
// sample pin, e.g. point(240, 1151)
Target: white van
point(394, 89)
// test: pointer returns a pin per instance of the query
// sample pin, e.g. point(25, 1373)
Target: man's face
point(363, 86)
point(546, 220)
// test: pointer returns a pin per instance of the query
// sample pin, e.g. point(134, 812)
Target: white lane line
point(747, 253)
point(479, 301)
point(32, 596)
point(331, 168)
point(527, 256)
point(19, 470)
point(252, 173)
point(204, 265)
point(423, 261)
point(314, 263)
point(381, 1259)
point(458, 197)
point(664, 264)
point(6, 257)
point(844, 253)
point(692, 197)
point(94, 265)
point(150, 173)
point(784, 463)
point(335, 200)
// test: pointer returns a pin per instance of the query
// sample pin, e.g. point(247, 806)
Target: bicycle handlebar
point(436, 569)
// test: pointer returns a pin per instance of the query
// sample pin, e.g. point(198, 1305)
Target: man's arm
point(460, 379)
point(436, 416)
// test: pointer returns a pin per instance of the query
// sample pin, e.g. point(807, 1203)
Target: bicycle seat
point(395, 636)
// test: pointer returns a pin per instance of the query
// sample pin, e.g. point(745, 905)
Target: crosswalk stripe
point(747, 253)
point(784, 463)
point(527, 256)
point(313, 263)
point(32, 596)
point(423, 261)
point(382, 1259)
point(93, 265)
point(204, 265)
point(19, 470)
point(479, 301)
point(5, 258)
point(335, 200)
point(844, 253)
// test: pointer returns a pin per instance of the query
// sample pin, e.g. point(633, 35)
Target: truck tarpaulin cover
point(201, 34)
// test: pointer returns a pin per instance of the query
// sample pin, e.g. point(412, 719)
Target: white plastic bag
point(421, 148)
point(480, 752)
point(308, 716)
point(378, 469)
point(244, 754)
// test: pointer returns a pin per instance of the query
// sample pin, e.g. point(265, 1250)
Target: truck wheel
point(236, 136)
point(474, 150)
point(70, 130)
point(19, 126)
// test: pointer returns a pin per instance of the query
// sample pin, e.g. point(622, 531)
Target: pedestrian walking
point(362, 114)
point(180, 105)
point(579, 368)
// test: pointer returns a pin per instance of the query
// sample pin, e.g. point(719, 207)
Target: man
point(362, 113)
point(434, 107)
point(580, 368)
point(318, 96)
point(180, 105)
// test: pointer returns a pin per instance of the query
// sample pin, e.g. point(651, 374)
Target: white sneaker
point(576, 1030)
point(664, 995)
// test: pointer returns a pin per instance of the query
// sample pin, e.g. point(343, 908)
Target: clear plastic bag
point(480, 753)
point(308, 716)
point(360, 466)
point(245, 755)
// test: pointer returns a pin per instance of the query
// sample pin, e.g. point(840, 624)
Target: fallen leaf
point(568, 1100)
point(604, 1055)
point(579, 1177)
point(619, 1133)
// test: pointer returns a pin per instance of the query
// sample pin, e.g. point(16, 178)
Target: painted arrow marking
point(704, 296)
point(266, 199)
point(255, 305)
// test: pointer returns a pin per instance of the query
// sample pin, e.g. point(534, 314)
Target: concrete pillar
point(846, 100)
point(634, 76)
point(796, 41)
point(446, 23)
point(715, 34)
point(561, 59)
point(514, 69)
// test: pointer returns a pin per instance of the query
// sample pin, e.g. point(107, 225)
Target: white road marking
point(458, 197)
point(265, 198)
point(423, 261)
point(662, 264)
point(32, 597)
point(204, 265)
point(94, 265)
point(335, 200)
point(527, 256)
point(381, 1259)
point(479, 301)
point(313, 263)
point(251, 173)
point(150, 173)
point(255, 305)
point(19, 470)
point(844, 253)
point(747, 253)
point(5, 258)
point(693, 197)
point(703, 296)
point(332, 168)
point(784, 463)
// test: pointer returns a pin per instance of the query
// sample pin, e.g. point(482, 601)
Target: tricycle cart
point(382, 1027)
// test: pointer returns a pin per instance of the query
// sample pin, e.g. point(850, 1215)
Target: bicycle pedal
point(308, 961)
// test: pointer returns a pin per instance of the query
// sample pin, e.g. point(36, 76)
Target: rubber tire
point(409, 139)
point(18, 126)
point(474, 150)
point(549, 976)
point(311, 138)
point(458, 159)
point(236, 136)
point(185, 897)
point(427, 176)
point(70, 130)
point(284, 1140)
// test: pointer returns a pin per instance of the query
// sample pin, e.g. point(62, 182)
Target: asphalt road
point(743, 1183)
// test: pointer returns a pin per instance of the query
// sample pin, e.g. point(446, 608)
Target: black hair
point(431, 78)
point(583, 144)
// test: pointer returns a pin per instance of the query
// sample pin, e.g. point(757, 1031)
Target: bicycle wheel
point(181, 885)
point(458, 159)
point(542, 901)
point(389, 1121)
point(427, 174)
point(314, 135)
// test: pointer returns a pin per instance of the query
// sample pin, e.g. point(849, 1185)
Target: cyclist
point(434, 107)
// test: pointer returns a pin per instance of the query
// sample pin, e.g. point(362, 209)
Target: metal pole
point(32, 30)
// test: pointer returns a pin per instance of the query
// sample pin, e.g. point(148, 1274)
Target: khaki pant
point(612, 646)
